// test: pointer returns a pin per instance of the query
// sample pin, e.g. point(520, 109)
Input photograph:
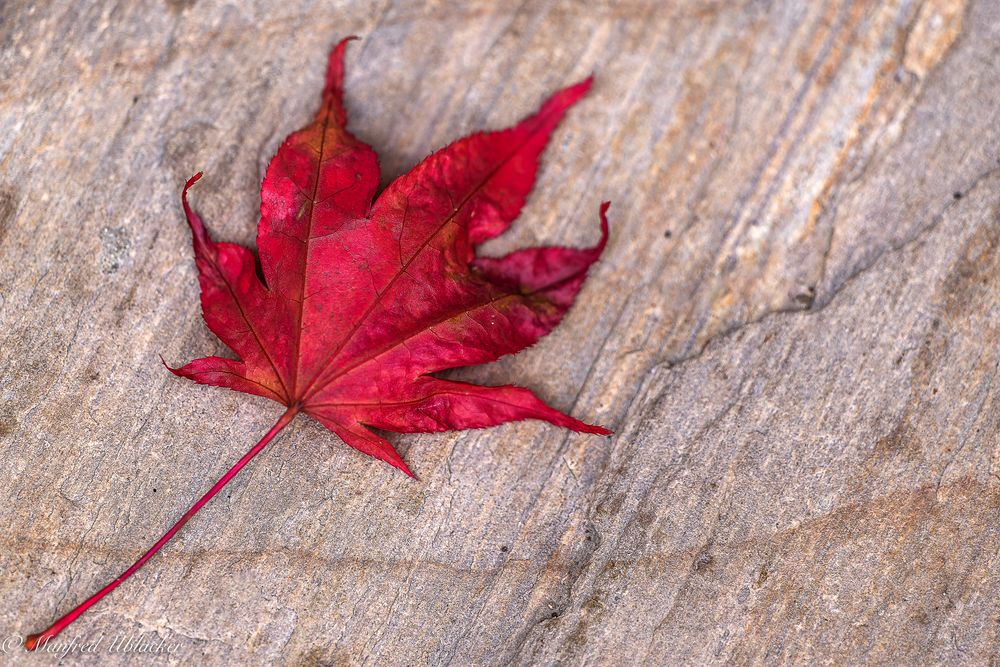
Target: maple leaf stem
point(38, 640)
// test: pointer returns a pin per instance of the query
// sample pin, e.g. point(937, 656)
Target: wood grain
point(794, 335)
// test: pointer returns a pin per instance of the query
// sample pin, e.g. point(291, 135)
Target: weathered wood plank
point(794, 334)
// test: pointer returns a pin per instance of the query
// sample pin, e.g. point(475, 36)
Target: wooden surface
point(794, 334)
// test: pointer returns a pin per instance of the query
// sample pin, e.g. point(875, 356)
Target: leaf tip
point(401, 465)
point(597, 430)
point(579, 89)
point(168, 366)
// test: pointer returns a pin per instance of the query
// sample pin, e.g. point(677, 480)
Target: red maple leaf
point(361, 302)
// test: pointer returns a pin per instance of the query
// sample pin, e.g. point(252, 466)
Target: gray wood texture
point(794, 334)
